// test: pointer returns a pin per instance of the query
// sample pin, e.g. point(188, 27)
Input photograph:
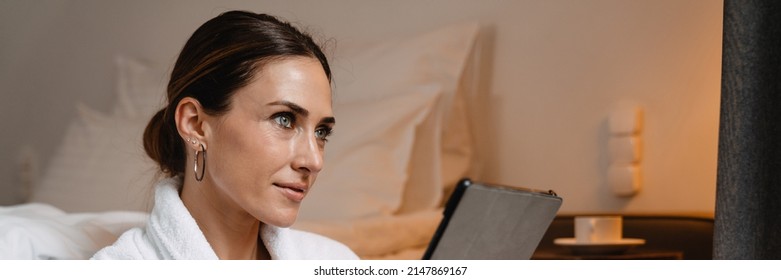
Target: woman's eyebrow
point(293, 106)
point(301, 111)
point(328, 120)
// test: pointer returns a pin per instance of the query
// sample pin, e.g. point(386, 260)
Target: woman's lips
point(294, 192)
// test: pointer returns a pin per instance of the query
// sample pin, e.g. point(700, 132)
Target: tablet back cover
point(485, 221)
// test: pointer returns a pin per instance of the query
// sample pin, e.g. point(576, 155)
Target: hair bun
point(163, 145)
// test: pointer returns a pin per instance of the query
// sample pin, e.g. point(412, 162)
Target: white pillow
point(141, 88)
point(100, 166)
point(443, 147)
point(367, 158)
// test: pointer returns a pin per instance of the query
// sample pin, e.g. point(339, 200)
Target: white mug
point(597, 229)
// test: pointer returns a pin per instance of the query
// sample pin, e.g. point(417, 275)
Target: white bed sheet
point(41, 231)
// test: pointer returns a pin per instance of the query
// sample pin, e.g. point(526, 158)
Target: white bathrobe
point(172, 233)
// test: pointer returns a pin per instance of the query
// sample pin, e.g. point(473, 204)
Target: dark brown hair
point(221, 56)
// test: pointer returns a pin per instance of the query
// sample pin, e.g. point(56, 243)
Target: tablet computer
point(485, 221)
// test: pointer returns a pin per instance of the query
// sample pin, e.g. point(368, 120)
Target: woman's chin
point(283, 219)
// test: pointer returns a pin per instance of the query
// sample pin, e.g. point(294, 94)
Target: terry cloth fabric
point(172, 233)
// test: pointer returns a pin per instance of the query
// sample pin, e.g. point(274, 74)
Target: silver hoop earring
point(195, 163)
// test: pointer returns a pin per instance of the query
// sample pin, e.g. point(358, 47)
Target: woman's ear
point(190, 119)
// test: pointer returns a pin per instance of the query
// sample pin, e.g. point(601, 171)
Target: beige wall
point(558, 67)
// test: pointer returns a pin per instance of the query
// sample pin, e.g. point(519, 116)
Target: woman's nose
point(308, 154)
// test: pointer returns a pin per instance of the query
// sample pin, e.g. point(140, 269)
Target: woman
point(241, 142)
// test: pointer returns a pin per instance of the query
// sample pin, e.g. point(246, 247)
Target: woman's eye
point(323, 133)
point(284, 120)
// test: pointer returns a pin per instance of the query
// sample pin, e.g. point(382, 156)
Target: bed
point(386, 172)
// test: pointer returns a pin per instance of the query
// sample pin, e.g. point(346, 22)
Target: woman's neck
point(231, 232)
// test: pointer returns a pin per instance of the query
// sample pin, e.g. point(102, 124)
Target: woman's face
point(264, 154)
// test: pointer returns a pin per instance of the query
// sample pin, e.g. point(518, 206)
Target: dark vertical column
point(748, 197)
